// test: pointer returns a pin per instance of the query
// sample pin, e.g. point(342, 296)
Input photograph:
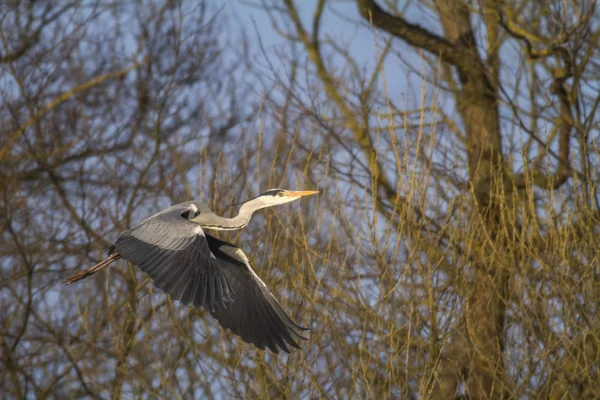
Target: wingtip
point(274, 349)
point(294, 345)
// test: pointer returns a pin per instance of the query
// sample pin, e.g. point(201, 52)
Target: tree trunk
point(475, 353)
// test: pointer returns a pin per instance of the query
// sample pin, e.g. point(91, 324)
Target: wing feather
point(187, 296)
point(255, 315)
point(203, 271)
point(175, 254)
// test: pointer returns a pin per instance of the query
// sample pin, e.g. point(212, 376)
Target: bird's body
point(201, 270)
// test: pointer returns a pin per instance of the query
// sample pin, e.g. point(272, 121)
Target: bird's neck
point(231, 224)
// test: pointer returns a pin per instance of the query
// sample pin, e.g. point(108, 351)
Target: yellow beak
point(301, 193)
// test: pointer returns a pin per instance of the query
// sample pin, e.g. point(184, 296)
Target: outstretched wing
point(254, 315)
point(174, 252)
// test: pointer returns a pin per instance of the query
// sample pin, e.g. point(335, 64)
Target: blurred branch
point(360, 133)
point(412, 33)
point(564, 122)
point(31, 35)
point(61, 99)
point(508, 19)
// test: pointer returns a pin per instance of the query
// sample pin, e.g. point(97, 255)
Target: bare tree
point(473, 264)
point(452, 254)
point(107, 109)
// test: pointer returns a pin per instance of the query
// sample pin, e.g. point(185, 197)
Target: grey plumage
point(174, 252)
point(255, 315)
point(201, 270)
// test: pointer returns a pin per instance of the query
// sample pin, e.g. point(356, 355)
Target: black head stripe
point(190, 213)
point(272, 192)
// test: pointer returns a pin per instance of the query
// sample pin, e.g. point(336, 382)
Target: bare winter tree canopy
point(452, 251)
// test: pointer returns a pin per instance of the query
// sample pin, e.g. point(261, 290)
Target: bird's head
point(199, 212)
point(274, 197)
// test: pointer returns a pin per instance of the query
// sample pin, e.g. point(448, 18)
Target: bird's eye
point(190, 213)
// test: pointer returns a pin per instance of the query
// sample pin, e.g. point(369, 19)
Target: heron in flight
point(198, 269)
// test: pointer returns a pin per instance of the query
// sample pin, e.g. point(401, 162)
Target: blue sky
point(340, 22)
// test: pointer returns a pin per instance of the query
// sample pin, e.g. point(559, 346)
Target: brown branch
point(10, 366)
point(360, 133)
point(63, 98)
point(33, 34)
point(551, 46)
point(415, 35)
point(565, 123)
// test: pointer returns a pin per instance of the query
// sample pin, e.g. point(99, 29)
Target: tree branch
point(61, 99)
point(564, 122)
point(413, 34)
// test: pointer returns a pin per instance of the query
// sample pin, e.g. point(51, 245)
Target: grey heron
point(198, 269)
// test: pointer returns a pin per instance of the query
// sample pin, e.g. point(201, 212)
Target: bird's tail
point(92, 270)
